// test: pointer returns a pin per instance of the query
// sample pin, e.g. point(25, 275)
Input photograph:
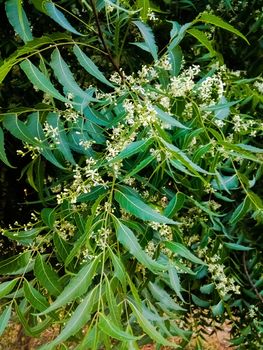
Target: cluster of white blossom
point(211, 89)
point(84, 179)
point(223, 284)
point(101, 236)
point(51, 132)
point(184, 82)
point(64, 228)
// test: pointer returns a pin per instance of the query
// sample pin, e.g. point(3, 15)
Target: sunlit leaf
point(17, 17)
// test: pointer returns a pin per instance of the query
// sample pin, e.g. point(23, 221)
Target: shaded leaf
point(16, 264)
point(149, 328)
point(107, 326)
point(79, 318)
point(77, 286)
point(141, 166)
point(3, 156)
point(61, 141)
point(7, 287)
point(163, 297)
point(218, 309)
point(175, 58)
point(235, 246)
point(119, 269)
point(4, 318)
point(127, 238)
point(46, 276)
point(175, 204)
point(175, 281)
point(35, 298)
point(240, 211)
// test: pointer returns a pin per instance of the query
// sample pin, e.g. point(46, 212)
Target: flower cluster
point(84, 179)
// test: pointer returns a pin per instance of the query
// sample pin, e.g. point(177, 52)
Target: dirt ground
point(14, 339)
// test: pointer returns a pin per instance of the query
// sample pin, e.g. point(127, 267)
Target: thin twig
point(249, 278)
point(103, 40)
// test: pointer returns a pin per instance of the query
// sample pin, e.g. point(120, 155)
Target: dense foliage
point(139, 146)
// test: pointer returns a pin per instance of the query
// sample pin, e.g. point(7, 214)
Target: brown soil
point(15, 339)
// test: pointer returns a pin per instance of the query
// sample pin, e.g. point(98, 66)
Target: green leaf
point(218, 309)
point(222, 105)
point(89, 66)
point(149, 329)
point(200, 302)
point(4, 318)
point(182, 157)
point(66, 79)
point(168, 119)
point(77, 286)
point(62, 248)
point(149, 38)
point(177, 34)
point(3, 156)
point(7, 287)
point(39, 5)
point(62, 143)
point(95, 192)
point(30, 48)
point(176, 58)
point(181, 250)
point(224, 111)
point(240, 211)
point(36, 299)
point(141, 166)
point(59, 17)
point(207, 288)
point(48, 216)
point(114, 311)
point(225, 183)
point(46, 276)
point(39, 80)
point(202, 38)
point(138, 208)
point(144, 6)
point(175, 281)
point(127, 238)
point(250, 148)
point(28, 330)
point(16, 264)
point(235, 246)
point(174, 205)
point(217, 21)
point(79, 319)
point(24, 237)
point(119, 269)
point(133, 148)
point(163, 297)
point(107, 326)
point(19, 129)
point(18, 19)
